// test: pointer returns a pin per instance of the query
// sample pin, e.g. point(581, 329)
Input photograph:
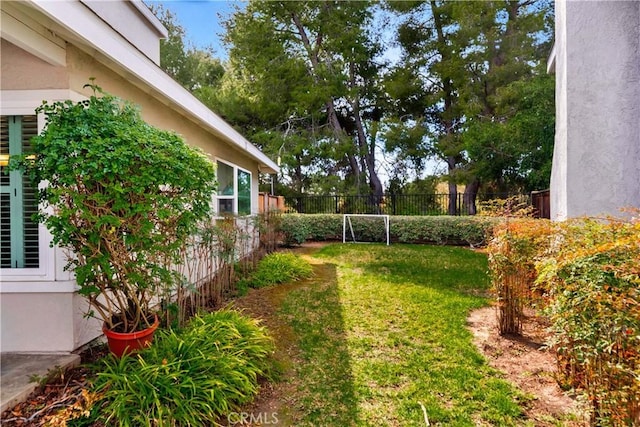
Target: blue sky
point(201, 20)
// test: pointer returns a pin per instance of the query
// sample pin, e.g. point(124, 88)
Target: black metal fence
point(388, 204)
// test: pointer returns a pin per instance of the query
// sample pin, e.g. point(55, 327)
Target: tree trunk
point(470, 194)
point(453, 188)
point(448, 123)
point(299, 176)
point(368, 155)
point(332, 117)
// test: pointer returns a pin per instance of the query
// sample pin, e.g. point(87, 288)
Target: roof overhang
point(144, 10)
point(90, 33)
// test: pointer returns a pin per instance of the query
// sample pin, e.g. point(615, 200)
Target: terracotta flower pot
point(129, 342)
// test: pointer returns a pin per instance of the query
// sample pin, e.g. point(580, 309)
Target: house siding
point(23, 71)
point(597, 147)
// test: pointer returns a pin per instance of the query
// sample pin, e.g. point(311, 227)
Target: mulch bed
point(62, 390)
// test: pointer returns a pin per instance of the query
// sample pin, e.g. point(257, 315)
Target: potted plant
point(123, 196)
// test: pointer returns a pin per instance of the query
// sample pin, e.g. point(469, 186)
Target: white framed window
point(234, 190)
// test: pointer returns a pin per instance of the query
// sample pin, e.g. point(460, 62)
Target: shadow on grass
point(378, 332)
point(326, 393)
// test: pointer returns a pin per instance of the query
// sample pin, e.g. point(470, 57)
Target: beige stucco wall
point(596, 165)
point(23, 71)
point(45, 322)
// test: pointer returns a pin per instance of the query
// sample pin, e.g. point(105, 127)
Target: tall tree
point(193, 68)
point(506, 55)
point(465, 60)
point(425, 85)
point(309, 66)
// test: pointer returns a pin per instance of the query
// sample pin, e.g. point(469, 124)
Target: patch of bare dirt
point(530, 365)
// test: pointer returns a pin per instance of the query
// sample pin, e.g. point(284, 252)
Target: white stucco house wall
point(596, 59)
point(49, 51)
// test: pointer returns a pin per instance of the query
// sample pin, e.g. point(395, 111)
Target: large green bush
point(191, 377)
point(465, 230)
point(443, 230)
point(297, 228)
point(123, 196)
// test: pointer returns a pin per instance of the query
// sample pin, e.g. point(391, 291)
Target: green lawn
point(381, 329)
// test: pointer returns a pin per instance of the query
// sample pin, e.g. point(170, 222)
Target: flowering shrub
point(593, 281)
point(513, 250)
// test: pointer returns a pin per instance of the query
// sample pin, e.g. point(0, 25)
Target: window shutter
point(19, 240)
point(5, 203)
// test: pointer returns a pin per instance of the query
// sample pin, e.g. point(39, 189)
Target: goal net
point(365, 228)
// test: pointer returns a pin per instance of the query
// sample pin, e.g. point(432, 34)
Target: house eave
point(153, 20)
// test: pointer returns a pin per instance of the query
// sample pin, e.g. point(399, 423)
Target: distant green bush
point(298, 229)
point(190, 377)
point(444, 230)
point(279, 267)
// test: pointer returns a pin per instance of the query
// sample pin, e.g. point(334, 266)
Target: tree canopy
point(333, 89)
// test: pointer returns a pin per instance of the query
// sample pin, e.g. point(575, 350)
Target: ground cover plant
point(381, 333)
point(278, 267)
point(191, 376)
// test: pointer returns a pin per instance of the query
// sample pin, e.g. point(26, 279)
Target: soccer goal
point(347, 222)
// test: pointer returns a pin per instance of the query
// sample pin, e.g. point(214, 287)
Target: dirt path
point(278, 398)
point(275, 397)
point(528, 364)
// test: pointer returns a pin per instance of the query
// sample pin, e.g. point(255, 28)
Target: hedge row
point(445, 230)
